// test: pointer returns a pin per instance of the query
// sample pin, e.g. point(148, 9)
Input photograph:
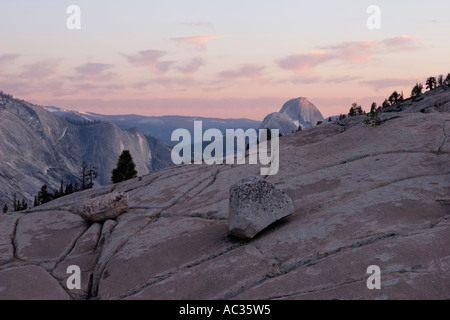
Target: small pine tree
point(431, 83)
point(5, 208)
point(44, 196)
point(24, 204)
point(417, 90)
point(440, 80)
point(352, 112)
point(373, 108)
point(125, 170)
point(329, 119)
point(447, 80)
point(35, 203)
point(69, 189)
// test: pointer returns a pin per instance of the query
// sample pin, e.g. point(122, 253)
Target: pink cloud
point(167, 82)
point(95, 71)
point(199, 41)
point(303, 62)
point(402, 43)
point(191, 66)
point(40, 70)
point(357, 52)
point(246, 71)
point(8, 58)
point(150, 59)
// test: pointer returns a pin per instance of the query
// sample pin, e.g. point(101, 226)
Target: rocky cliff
point(362, 194)
point(38, 147)
point(294, 113)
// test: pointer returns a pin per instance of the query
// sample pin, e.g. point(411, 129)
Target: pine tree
point(35, 203)
point(352, 112)
point(5, 208)
point(447, 80)
point(24, 205)
point(394, 98)
point(125, 170)
point(417, 90)
point(373, 108)
point(69, 189)
point(88, 174)
point(440, 80)
point(431, 83)
point(44, 196)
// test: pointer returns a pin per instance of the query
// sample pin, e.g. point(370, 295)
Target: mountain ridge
point(159, 127)
point(40, 148)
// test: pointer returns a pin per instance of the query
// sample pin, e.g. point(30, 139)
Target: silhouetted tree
point(88, 174)
point(329, 119)
point(440, 80)
point(44, 196)
point(24, 204)
point(69, 189)
point(431, 83)
point(352, 112)
point(35, 203)
point(447, 80)
point(385, 104)
point(395, 98)
point(373, 108)
point(417, 90)
point(126, 169)
point(5, 208)
point(92, 174)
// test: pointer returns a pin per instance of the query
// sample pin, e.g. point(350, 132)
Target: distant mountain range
point(47, 145)
point(160, 127)
point(38, 147)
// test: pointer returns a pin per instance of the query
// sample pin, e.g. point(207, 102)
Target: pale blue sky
point(242, 58)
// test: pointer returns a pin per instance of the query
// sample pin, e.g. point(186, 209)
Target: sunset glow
point(230, 59)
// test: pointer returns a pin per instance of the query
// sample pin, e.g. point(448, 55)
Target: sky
point(227, 59)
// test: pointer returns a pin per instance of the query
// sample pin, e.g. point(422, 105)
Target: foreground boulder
point(254, 205)
point(102, 208)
